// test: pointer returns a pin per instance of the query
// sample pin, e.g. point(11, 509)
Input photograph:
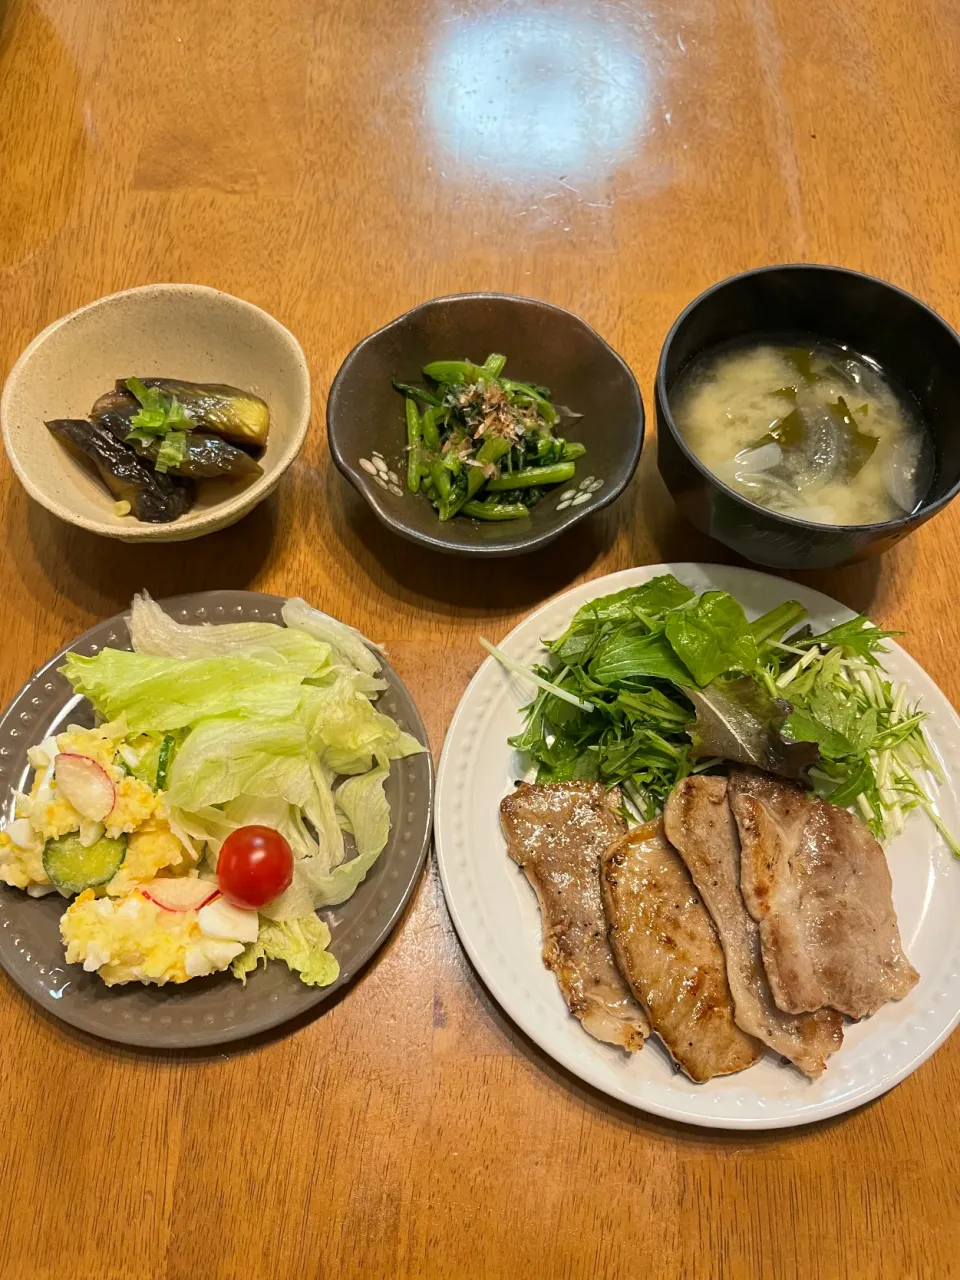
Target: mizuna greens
point(653, 683)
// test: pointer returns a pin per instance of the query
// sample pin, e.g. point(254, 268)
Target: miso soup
point(806, 427)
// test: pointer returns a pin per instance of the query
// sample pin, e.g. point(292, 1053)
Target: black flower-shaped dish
point(543, 344)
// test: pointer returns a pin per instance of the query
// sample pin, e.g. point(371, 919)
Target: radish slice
point(180, 894)
point(85, 785)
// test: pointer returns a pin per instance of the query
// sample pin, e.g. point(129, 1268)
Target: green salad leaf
point(633, 604)
point(365, 809)
point(352, 650)
point(738, 720)
point(301, 944)
point(346, 728)
point(154, 632)
point(630, 655)
point(652, 683)
point(835, 723)
point(233, 756)
point(803, 727)
point(167, 693)
point(712, 637)
point(365, 814)
point(314, 886)
point(857, 637)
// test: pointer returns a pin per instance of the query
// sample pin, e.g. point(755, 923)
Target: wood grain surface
point(336, 163)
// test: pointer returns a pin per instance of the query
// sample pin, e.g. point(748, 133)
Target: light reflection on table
point(517, 94)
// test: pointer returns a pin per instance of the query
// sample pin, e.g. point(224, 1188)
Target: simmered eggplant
point(150, 439)
point(153, 497)
point(115, 409)
point(223, 410)
point(207, 457)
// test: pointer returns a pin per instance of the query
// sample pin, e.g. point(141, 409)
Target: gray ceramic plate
point(543, 343)
point(218, 1009)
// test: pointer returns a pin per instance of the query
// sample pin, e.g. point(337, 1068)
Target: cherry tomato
point(254, 867)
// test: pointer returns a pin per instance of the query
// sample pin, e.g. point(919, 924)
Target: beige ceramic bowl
point(161, 330)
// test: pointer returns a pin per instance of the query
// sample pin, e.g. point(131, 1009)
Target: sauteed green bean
point(481, 445)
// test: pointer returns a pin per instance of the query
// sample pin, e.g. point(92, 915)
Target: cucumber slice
point(154, 766)
point(146, 767)
point(73, 868)
point(164, 761)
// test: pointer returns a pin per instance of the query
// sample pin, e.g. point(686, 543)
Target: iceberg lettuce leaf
point(152, 631)
point(347, 731)
point(169, 693)
point(313, 887)
point(341, 719)
point(366, 814)
point(320, 809)
point(405, 745)
point(350, 646)
point(301, 944)
point(229, 757)
point(321, 842)
point(364, 805)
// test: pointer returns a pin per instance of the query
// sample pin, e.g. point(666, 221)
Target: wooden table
point(336, 163)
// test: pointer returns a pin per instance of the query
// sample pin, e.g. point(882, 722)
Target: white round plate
point(496, 914)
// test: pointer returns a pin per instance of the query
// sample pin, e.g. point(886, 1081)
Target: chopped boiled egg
point(151, 848)
point(21, 864)
point(48, 813)
point(209, 956)
point(130, 756)
point(135, 802)
point(41, 757)
point(100, 744)
point(22, 834)
point(90, 832)
point(221, 919)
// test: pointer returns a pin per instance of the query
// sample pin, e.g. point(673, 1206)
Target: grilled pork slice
point(555, 833)
point(818, 885)
point(700, 825)
point(667, 948)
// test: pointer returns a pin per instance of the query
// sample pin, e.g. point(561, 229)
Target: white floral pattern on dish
point(376, 467)
point(581, 494)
